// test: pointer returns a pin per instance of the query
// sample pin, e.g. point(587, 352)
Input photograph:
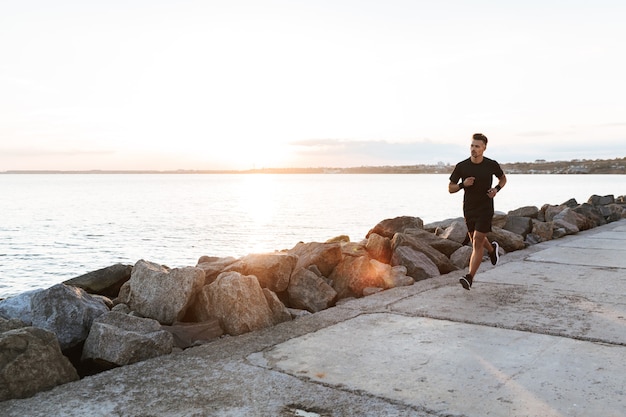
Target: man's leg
point(479, 243)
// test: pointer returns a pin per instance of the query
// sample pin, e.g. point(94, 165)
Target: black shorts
point(481, 223)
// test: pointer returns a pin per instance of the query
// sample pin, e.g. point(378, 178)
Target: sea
point(54, 227)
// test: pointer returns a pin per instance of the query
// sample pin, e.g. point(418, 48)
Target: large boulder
point(160, 293)
point(508, 241)
point(456, 232)
point(443, 245)
point(19, 306)
point(354, 274)
point(325, 256)
point(280, 313)
point(592, 213)
point(68, 312)
point(526, 211)
point(308, 291)
point(379, 248)
point(213, 266)
point(106, 281)
point(461, 257)
point(389, 227)
point(541, 232)
point(570, 216)
point(444, 265)
point(272, 270)
point(118, 339)
point(519, 225)
point(238, 302)
point(31, 361)
point(418, 265)
point(596, 200)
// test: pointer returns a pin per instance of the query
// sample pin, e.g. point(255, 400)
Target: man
point(476, 175)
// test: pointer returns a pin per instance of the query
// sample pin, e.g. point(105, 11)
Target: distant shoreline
point(604, 166)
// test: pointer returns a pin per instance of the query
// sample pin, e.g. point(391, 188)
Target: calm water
point(55, 227)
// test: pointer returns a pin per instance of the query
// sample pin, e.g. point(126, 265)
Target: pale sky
point(183, 84)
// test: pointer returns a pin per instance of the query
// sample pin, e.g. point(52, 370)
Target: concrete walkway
point(541, 334)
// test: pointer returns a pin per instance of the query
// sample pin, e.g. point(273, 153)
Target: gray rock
point(106, 281)
point(120, 339)
point(461, 257)
point(519, 225)
point(542, 231)
point(418, 265)
point(238, 302)
point(443, 245)
point(592, 213)
point(399, 277)
point(11, 324)
point(308, 291)
point(68, 312)
point(443, 263)
point(526, 211)
point(280, 313)
point(508, 241)
point(568, 215)
point(19, 307)
point(31, 361)
point(596, 200)
point(389, 227)
point(456, 232)
point(568, 228)
point(161, 293)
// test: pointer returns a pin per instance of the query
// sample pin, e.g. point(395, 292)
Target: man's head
point(481, 137)
point(479, 144)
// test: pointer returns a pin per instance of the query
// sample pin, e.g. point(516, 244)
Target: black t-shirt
point(476, 201)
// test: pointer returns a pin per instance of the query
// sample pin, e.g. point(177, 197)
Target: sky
point(183, 84)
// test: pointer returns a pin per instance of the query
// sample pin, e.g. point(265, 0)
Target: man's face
point(477, 148)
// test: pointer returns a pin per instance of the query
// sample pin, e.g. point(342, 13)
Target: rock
point(399, 277)
point(508, 241)
point(461, 257)
point(379, 248)
point(119, 339)
point(434, 227)
point(323, 255)
point(19, 306)
point(106, 281)
point(161, 293)
point(499, 219)
point(11, 324)
point(456, 232)
point(591, 213)
point(308, 291)
point(542, 232)
point(596, 200)
point(121, 308)
point(550, 211)
point(389, 227)
point(280, 313)
point(272, 270)
point(566, 227)
point(68, 312)
point(568, 215)
point(31, 361)
point(339, 239)
point(441, 244)
point(571, 203)
point(193, 334)
point(442, 262)
point(354, 274)
point(418, 265)
point(526, 211)
point(238, 302)
point(213, 266)
point(371, 291)
point(353, 249)
point(519, 225)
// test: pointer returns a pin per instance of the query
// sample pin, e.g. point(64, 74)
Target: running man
point(476, 175)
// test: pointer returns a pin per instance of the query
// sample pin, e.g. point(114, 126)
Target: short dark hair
point(480, 136)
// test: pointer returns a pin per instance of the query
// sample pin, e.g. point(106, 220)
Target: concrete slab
point(459, 369)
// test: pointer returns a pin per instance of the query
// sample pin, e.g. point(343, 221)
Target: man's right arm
point(454, 187)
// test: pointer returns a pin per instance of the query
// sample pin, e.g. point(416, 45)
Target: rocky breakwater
point(124, 314)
